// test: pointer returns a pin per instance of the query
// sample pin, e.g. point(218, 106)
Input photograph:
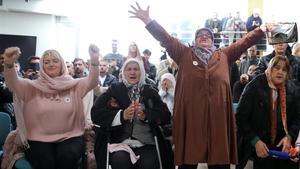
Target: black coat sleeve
point(102, 112)
point(156, 110)
point(244, 111)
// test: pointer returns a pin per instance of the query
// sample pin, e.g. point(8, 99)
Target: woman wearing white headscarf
point(129, 114)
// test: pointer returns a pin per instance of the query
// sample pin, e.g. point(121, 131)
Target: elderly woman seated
point(128, 115)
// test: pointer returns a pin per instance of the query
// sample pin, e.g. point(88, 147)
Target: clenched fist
point(11, 55)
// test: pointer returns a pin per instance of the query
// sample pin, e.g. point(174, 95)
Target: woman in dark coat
point(268, 117)
point(129, 114)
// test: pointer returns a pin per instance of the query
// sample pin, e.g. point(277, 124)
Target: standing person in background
point(105, 78)
point(254, 21)
point(285, 50)
point(150, 68)
point(224, 36)
point(239, 86)
point(114, 56)
point(33, 67)
point(215, 25)
point(134, 52)
point(204, 123)
point(237, 25)
point(251, 59)
point(79, 68)
point(50, 110)
point(70, 68)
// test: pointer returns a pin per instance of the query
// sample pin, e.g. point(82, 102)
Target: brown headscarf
point(274, 97)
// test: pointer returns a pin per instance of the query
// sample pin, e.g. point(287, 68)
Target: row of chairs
point(5, 128)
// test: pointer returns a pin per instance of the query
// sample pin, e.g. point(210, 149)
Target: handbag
point(283, 32)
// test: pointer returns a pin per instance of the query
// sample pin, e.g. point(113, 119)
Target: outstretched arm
point(90, 82)
point(138, 12)
point(174, 48)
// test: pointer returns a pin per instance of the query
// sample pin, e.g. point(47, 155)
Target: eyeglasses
point(202, 35)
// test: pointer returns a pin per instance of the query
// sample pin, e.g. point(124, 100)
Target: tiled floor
point(248, 166)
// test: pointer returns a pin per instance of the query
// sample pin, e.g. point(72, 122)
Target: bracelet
point(9, 66)
point(95, 64)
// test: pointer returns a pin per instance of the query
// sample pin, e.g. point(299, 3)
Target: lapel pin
point(195, 63)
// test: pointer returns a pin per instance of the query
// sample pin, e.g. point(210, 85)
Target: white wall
point(39, 18)
point(96, 21)
point(41, 26)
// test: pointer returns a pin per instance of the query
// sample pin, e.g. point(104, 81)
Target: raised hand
point(11, 55)
point(140, 13)
point(267, 27)
point(94, 54)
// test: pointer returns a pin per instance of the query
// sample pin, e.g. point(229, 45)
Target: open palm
point(140, 13)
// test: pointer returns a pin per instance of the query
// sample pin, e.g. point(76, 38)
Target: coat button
point(195, 63)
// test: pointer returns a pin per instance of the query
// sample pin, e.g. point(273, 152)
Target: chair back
point(5, 127)
point(235, 105)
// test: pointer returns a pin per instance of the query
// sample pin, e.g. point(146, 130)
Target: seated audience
point(239, 86)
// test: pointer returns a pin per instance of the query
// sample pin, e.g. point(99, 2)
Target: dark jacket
point(150, 69)
point(103, 114)
point(253, 116)
point(293, 61)
point(109, 80)
point(249, 23)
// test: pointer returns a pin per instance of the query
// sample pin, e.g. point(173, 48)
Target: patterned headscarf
point(142, 70)
point(204, 54)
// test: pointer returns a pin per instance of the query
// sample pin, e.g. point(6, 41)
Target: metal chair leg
point(158, 152)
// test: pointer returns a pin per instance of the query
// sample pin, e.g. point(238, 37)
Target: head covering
point(204, 54)
point(274, 91)
point(47, 84)
point(142, 74)
point(201, 30)
point(170, 77)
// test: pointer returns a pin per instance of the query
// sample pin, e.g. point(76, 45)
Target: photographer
point(33, 67)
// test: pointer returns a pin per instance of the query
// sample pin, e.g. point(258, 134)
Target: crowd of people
point(141, 115)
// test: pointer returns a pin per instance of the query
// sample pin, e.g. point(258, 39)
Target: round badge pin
point(67, 99)
point(195, 63)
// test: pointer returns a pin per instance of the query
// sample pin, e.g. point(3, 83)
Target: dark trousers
point(148, 159)
point(62, 155)
point(273, 163)
point(186, 166)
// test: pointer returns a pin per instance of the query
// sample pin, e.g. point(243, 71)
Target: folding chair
point(5, 128)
